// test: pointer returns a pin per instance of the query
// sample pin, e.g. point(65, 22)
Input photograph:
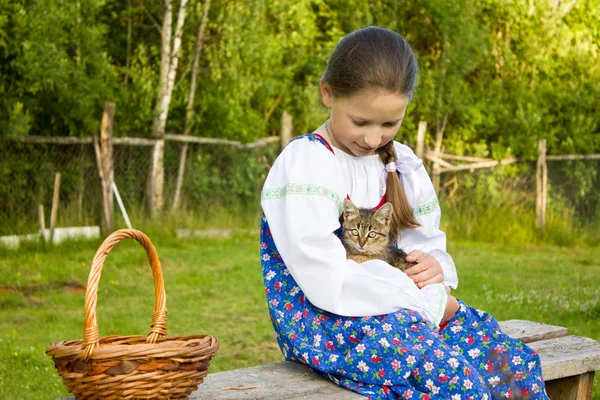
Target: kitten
point(366, 236)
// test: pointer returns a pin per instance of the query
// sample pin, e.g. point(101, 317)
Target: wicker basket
point(132, 367)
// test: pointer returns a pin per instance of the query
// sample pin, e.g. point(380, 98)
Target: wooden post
point(286, 129)
point(104, 160)
point(55, 200)
point(439, 134)
point(541, 178)
point(42, 220)
point(421, 138)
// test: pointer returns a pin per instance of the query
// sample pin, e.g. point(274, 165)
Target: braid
point(402, 217)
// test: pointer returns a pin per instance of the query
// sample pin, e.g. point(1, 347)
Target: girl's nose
point(373, 138)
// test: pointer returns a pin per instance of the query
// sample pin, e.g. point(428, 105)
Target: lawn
point(214, 287)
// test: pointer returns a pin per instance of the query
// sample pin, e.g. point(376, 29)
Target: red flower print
point(338, 322)
point(485, 339)
point(403, 350)
point(353, 339)
point(421, 338)
point(293, 336)
point(396, 341)
point(289, 306)
point(381, 373)
point(329, 345)
point(316, 320)
point(425, 397)
point(301, 299)
point(267, 291)
point(415, 328)
point(385, 389)
point(305, 312)
point(470, 340)
point(524, 392)
point(489, 367)
point(375, 358)
point(278, 286)
point(468, 371)
point(315, 360)
point(443, 378)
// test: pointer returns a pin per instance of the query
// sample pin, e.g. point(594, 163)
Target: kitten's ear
point(384, 214)
point(350, 210)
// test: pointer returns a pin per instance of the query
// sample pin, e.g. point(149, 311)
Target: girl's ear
point(326, 94)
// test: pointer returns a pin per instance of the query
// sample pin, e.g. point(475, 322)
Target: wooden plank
point(485, 164)
point(529, 331)
point(572, 388)
point(455, 157)
point(281, 381)
point(567, 356)
point(574, 157)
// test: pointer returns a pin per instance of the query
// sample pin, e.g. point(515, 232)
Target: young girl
point(370, 327)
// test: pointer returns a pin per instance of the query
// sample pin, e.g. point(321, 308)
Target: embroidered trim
point(303, 190)
point(426, 208)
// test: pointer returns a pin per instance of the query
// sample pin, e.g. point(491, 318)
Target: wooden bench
point(568, 365)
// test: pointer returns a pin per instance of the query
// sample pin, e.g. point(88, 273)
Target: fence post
point(421, 138)
point(54, 211)
point(286, 129)
point(541, 178)
point(104, 160)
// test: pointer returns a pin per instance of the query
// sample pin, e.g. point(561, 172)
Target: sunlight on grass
point(214, 286)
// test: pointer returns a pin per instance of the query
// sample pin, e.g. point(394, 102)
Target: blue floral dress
point(397, 356)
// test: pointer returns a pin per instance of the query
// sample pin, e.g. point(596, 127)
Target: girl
point(370, 327)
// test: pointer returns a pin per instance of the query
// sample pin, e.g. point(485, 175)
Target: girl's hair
point(377, 59)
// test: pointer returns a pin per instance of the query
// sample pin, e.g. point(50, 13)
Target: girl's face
point(364, 121)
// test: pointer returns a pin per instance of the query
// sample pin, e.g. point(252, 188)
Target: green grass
point(215, 287)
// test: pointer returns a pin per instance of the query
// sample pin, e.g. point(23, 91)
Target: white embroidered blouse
point(302, 200)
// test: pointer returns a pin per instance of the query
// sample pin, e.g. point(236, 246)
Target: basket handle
point(91, 334)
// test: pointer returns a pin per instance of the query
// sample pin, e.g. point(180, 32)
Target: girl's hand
point(427, 271)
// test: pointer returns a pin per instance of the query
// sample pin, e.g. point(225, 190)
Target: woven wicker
point(131, 367)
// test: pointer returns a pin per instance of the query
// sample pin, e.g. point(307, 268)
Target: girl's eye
point(358, 123)
point(390, 124)
point(372, 234)
point(354, 232)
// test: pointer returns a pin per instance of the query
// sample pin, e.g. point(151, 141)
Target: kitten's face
point(366, 231)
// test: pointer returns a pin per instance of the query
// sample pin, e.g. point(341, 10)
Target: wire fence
point(223, 176)
point(215, 176)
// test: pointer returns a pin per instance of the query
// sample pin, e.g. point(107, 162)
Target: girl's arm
point(302, 200)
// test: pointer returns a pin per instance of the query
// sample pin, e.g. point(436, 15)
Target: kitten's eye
point(372, 234)
point(354, 232)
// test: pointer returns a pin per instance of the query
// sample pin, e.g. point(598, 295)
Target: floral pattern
point(397, 356)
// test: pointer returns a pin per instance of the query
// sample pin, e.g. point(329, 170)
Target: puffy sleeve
point(302, 201)
point(428, 237)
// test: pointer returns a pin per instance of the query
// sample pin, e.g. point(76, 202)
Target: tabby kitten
point(366, 236)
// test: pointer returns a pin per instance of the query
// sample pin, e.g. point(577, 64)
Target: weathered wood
point(439, 161)
point(567, 356)
point(541, 178)
point(529, 331)
point(281, 381)
point(286, 129)
point(455, 157)
point(483, 164)
point(259, 143)
point(104, 161)
point(57, 139)
point(42, 220)
point(572, 388)
point(55, 200)
point(573, 157)
point(421, 132)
